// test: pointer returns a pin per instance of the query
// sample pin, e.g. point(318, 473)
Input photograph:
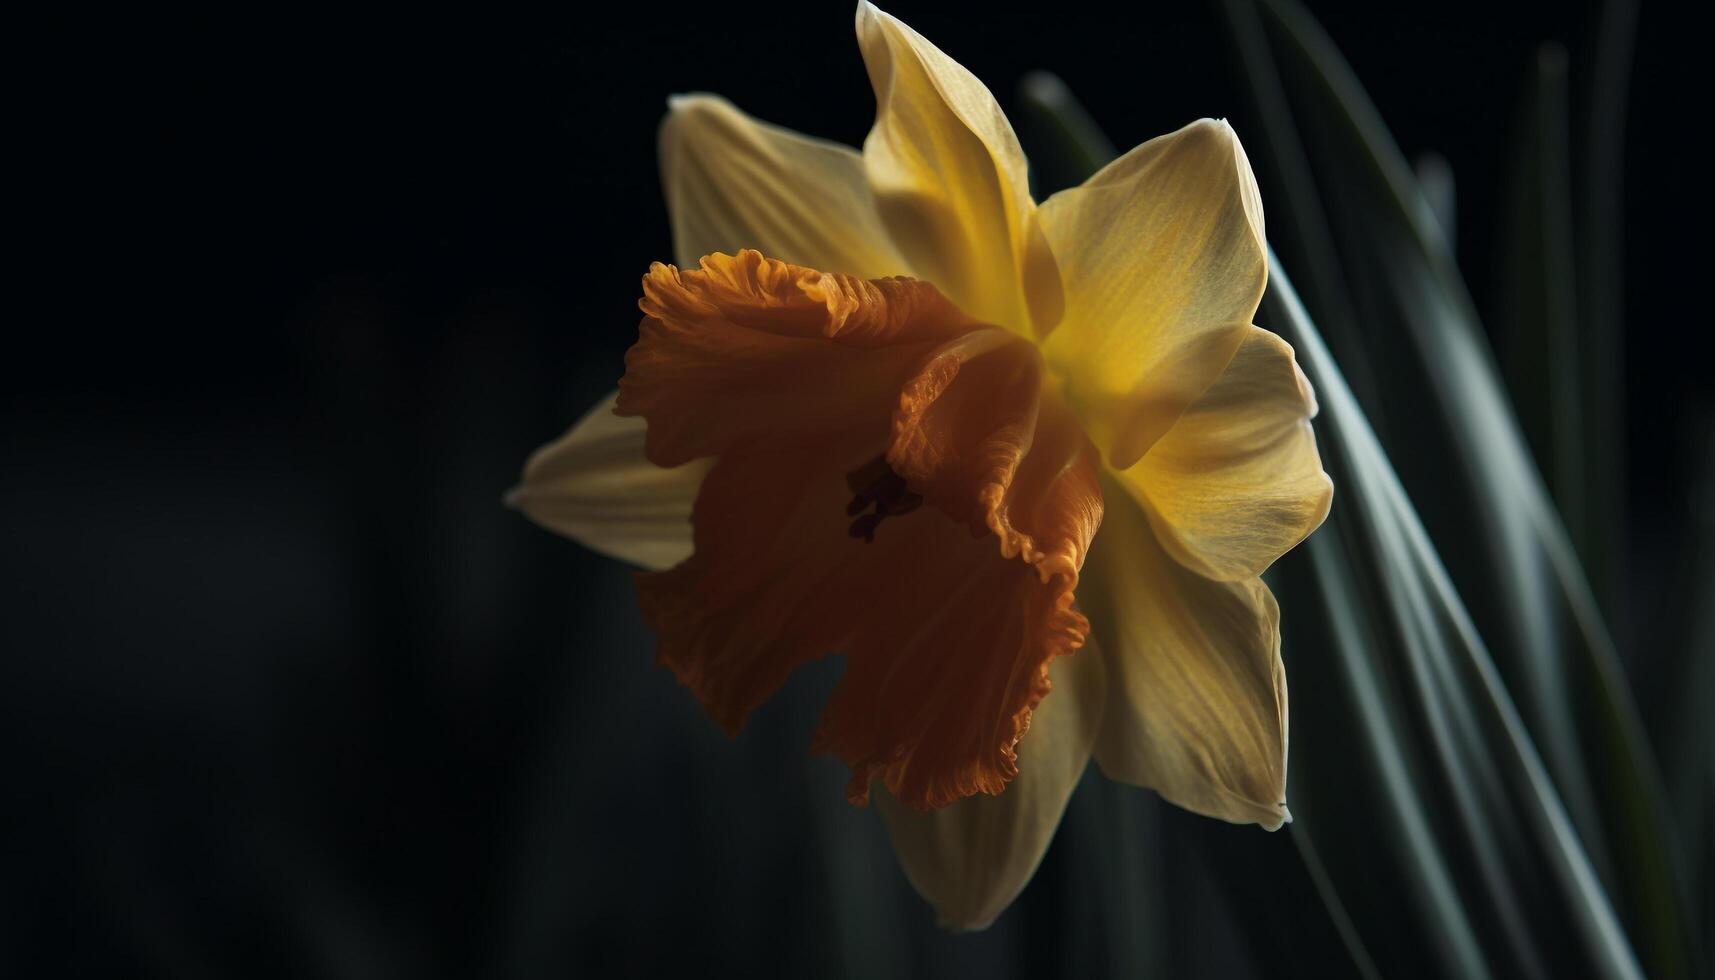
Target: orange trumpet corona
point(950, 598)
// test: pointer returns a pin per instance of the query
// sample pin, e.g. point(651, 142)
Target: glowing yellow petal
point(971, 859)
point(734, 183)
point(594, 486)
point(1237, 481)
point(951, 181)
point(1196, 705)
point(1163, 260)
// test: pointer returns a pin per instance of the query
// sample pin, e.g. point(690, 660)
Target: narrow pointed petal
point(822, 397)
point(951, 181)
point(1237, 482)
point(971, 859)
point(1162, 256)
point(594, 485)
point(734, 183)
point(1196, 706)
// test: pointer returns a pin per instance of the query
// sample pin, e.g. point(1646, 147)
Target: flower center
point(875, 483)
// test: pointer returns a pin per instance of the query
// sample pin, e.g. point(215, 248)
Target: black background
point(286, 691)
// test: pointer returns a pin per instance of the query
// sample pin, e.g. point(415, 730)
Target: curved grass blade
point(1435, 176)
point(1681, 689)
point(1447, 426)
point(1417, 779)
point(1307, 241)
point(1600, 266)
point(1538, 315)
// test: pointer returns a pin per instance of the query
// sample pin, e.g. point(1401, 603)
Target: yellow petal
point(1163, 259)
point(1196, 705)
point(951, 181)
point(971, 859)
point(594, 486)
point(734, 183)
point(1237, 481)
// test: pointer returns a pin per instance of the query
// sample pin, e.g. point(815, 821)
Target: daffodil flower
point(889, 406)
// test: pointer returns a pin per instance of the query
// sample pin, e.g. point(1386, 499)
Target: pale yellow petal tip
point(871, 18)
point(1236, 809)
point(978, 908)
point(1249, 194)
point(692, 109)
point(680, 102)
point(962, 924)
point(1268, 816)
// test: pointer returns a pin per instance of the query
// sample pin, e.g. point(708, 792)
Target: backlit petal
point(734, 183)
point(972, 858)
point(1196, 706)
point(594, 485)
point(821, 397)
point(1237, 481)
point(1163, 262)
point(951, 180)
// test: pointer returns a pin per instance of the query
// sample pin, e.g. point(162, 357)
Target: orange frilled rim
point(892, 481)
